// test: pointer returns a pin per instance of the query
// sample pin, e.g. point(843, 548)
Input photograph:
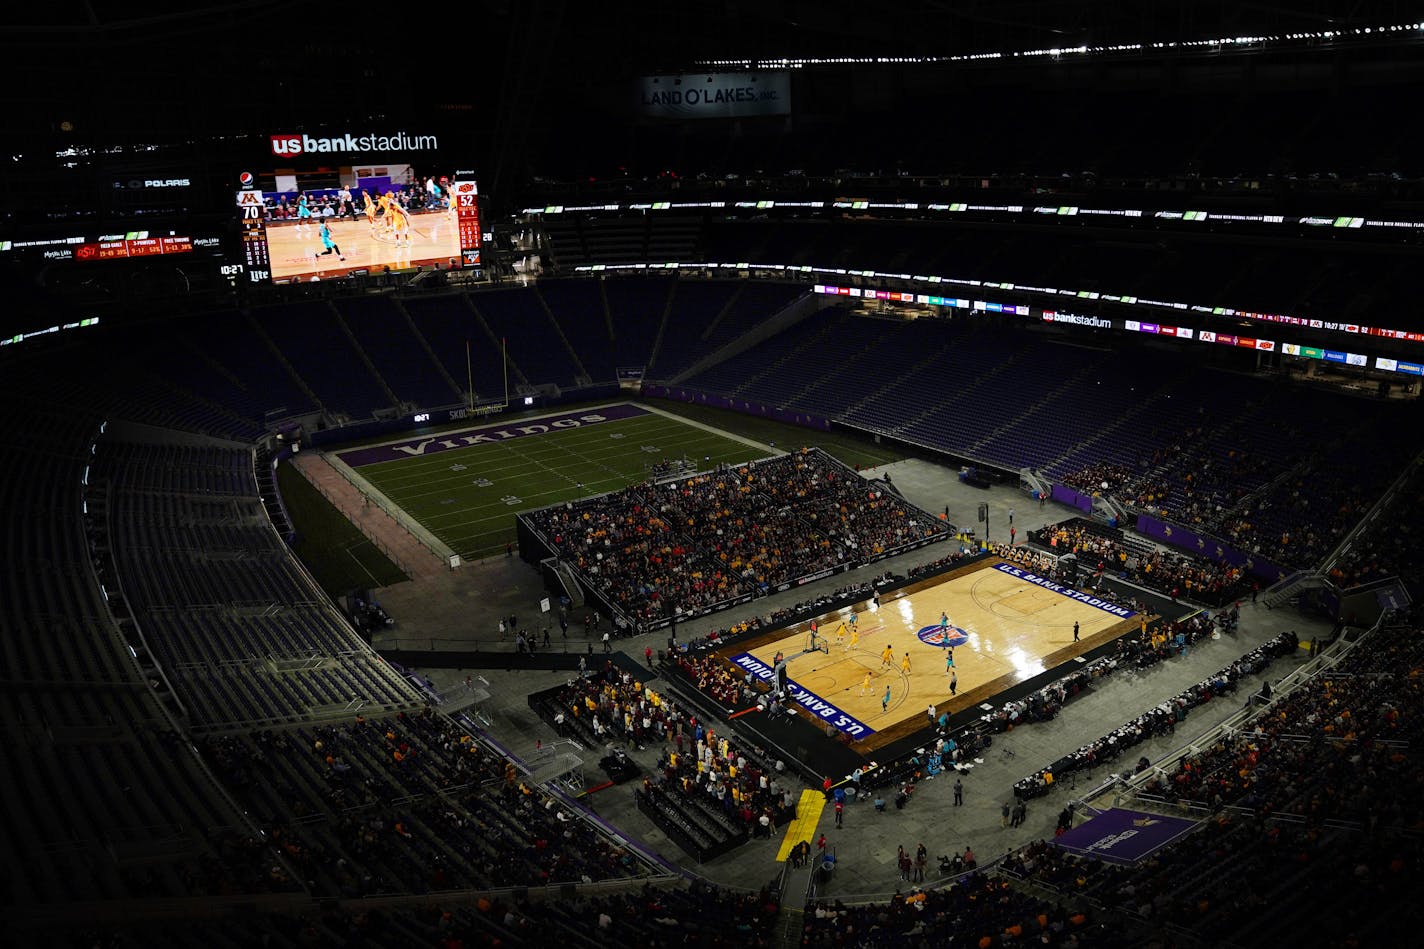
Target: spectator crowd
point(410, 802)
point(697, 764)
point(1175, 574)
point(685, 546)
point(1158, 720)
point(1337, 748)
point(975, 911)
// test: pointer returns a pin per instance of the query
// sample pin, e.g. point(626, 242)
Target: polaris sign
point(290, 145)
point(137, 184)
point(715, 95)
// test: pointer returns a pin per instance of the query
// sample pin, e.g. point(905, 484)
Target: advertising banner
point(714, 95)
point(1066, 495)
point(1175, 535)
point(1072, 594)
point(810, 701)
point(1122, 836)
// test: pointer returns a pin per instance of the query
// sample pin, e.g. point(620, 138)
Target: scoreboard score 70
point(254, 235)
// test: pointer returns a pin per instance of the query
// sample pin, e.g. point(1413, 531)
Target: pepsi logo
point(945, 637)
point(245, 178)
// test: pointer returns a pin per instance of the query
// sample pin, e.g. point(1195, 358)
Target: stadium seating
point(397, 351)
point(707, 791)
point(407, 803)
point(973, 910)
point(578, 309)
point(310, 339)
point(461, 342)
point(244, 634)
point(638, 310)
point(92, 716)
point(519, 317)
point(1226, 452)
point(1289, 802)
point(701, 542)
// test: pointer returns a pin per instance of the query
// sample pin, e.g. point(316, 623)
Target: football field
point(465, 487)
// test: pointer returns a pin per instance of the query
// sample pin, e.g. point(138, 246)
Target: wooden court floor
point(1012, 629)
point(434, 239)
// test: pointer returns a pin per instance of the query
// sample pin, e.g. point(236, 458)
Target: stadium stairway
point(415, 559)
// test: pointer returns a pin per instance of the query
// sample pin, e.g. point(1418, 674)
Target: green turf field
point(846, 447)
point(338, 555)
point(468, 496)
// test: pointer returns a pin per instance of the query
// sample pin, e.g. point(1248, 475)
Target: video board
point(358, 216)
point(116, 246)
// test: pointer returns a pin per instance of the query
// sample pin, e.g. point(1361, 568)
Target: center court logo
point(947, 637)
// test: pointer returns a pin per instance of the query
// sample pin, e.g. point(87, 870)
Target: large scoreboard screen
point(365, 217)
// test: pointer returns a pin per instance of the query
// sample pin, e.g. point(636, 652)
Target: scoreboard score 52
point(466, 197)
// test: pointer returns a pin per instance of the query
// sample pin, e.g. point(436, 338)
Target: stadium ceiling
point(710, 28)
point(111, 65)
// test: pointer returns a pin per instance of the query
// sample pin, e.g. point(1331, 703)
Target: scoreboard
point(288, 216)
point(122, 245)
point(255, 253)
point(133, 247)
point(466, 196)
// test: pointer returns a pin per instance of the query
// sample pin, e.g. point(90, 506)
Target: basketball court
point(1002, 623)
point(295, 248)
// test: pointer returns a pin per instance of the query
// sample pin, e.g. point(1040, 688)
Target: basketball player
point(304, 214)
point(948, 661)
point(840, 634)
point(400, 225)
point(943, 623)
point(887, 657)
point(854, 639)
point(905, 664)
point(865, 686)
point(344, 206)
point(370, 209)
point(885, 702)
point(328, 242)
point(385, 202)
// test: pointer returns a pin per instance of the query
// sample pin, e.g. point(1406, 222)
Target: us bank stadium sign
point(714, 95)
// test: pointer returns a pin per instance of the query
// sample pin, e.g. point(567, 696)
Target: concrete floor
point(461, 610)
